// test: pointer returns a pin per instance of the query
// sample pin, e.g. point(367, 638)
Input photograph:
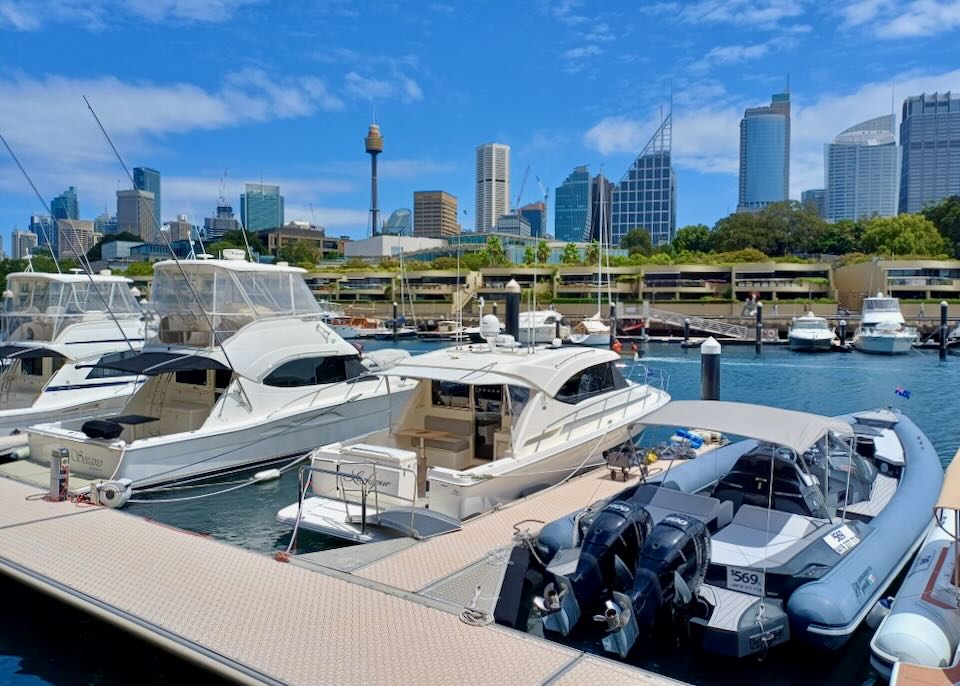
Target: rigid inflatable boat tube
point(827, 611)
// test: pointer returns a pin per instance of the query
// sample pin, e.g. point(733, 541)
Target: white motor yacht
point(810, 333)
point(56, 327)
point(242, 372)
point(882, 328)
point(591, 331)
point(444, 330)
point(541, 326)
point(487, 424)
point(336, 319)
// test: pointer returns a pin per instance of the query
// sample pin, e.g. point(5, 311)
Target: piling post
point(613, 324)
point(943, 329)
point(394, 325)
point(843, 332)
point(686, 329)
point(710, 369)
point(513, 309)
point(759, 329)
point(556, 328)
point(494, 305)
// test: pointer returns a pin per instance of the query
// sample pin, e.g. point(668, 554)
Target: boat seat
point(758, 536)
point(660, 502)
point(458, 430)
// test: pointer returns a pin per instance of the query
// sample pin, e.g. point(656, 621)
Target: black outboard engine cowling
point(604, 562)
point(672, 566)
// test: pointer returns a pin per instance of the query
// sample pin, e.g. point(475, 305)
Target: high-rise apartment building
point(135, 213)
point(646, 196)
point(105, 224)
point(930, 150)
point(22, 244)
point(66, 205)
point(42, 226)
point(76, 238)
point(601, 197)
point(815, 198)
point(214, 227)
point(180, 230)
point(261, 207)
point(435, 214)
point(765, 154)
point(861, 171)
point(147, 179)
point(571, 207)
point(536, 214)
point(493, 185)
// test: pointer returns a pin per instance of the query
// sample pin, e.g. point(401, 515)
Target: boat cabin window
point(450, 394)
point(519, 396)
point(193, 377)
point(591, 382)
point(103, 373)
point(32, 366)
point(314, 371)
point(881, 305)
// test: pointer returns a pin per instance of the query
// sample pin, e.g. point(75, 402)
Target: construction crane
point(221, 199)
point(523, 184)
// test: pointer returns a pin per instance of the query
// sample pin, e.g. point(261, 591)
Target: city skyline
point(292, 116)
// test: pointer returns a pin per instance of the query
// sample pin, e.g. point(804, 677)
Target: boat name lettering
point(864, 582)
point(619, 507)
point(86, 459)
point(841, 540)
point(745, 580)
point(380, 483)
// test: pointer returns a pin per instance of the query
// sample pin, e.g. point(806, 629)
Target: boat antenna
point(460, 303)
point(78, 249)
point(176, 260)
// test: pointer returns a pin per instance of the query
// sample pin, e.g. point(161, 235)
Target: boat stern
point(89, 458)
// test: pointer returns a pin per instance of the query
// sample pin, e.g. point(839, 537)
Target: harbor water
point(42, 642)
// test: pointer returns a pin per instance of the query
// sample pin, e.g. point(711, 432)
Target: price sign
point(842, 539)
point(745, 580)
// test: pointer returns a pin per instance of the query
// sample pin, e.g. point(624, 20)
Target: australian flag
point(902, 392)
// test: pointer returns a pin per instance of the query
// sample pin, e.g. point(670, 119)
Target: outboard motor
point(672, 566)
point(604, 561)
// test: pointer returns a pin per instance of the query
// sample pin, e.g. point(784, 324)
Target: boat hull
point(883, 345)
point(810, 345)
point(591, 339)
point(55, 410)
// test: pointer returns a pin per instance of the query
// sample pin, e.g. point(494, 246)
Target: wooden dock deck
point(372, 615)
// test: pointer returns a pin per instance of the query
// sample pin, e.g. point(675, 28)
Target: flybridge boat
point(486, 424)
point(810, 333)
point(56, 326)
point(882, 328)
point(591, 331)
point(542, 326)
point(334, 317)
point(797, 531)
point(242, 372)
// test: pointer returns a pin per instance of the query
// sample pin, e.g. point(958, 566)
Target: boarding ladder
point(711, 326)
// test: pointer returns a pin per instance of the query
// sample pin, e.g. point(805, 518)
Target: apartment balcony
point(927, 282)
point(624, 289)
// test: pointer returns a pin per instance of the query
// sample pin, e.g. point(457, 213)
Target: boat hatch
point(154, 363)
point(23, 352)
point(418, 522)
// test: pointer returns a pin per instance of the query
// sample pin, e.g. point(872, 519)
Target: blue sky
point(283, 92)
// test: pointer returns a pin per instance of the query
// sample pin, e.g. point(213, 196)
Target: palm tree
point(529, 256)
point(543, 252)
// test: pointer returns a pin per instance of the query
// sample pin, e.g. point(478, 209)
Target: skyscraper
point(147, 179)
point(76, 238)
point(435, 214)
point(493, 184)
point(815, 198)
point(105, 224)
point(536, 214)
point(66, 205)
point(646, 196)
point(42, 226)
point(215, 227)
point(601, 196)
point(22, 244)
point(261, 207)
point(765, 154)
point(373, 143)
point(930, 145)
point(135, 213)
point(861, 171)
point(571, 207)
point(400, 223)
point(181, 229)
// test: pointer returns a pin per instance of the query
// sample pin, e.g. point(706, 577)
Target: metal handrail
point(699, 323)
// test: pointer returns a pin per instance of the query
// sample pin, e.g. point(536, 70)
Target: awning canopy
point(465, 376)
point(27, 352)
point(950, 491)
point(789, 428)
point(152, 364)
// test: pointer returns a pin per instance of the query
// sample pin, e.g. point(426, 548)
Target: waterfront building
point(400, 222)
point(147, 179)
point(214, 227)
point(135, 213)
point(22, 243)
point(913, 281)
point(76, 238)
point(601, 197)
point(571, 207)
point(512, 223)
point(493, 184)
point(301, 232)
point(765, 154)
point(815, 198)
point(261, 207)
point(435, 214)
point(646, 196)
point(861, 171)
point(116, 251)
point(536, 214)
point(930, 146)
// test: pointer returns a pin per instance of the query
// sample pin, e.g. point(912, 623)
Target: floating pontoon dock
point(376, 614)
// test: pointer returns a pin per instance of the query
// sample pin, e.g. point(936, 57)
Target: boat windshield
point(810, 324)
point(40, 308)
point(881, 305)
point(230, 299)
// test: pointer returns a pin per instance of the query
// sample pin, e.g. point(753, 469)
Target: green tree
point(475, 260)
point(96, 252)
point(445, 263)
point(543, 252)
point(298, 252)
point(637, 240)
point(840, 238)
point(592, 253)
point(694, 238)
point(791, 227)
point(140, 269)
point(946, 217)
point(529, 256)
point(571, 254)
point(496, 255)
point(906, 234)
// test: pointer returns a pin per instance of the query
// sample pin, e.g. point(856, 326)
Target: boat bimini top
point(789, 428)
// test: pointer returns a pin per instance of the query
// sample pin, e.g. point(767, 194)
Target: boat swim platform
point(254, 620)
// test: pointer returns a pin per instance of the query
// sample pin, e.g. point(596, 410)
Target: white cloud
point(891, 20)
point(30, 15)
point(737, 54)
point(400, 87)
point(764, 14)
point(582, 52)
